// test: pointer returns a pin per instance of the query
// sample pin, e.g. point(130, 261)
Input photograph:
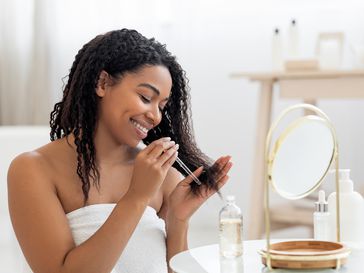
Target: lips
point(141, 130)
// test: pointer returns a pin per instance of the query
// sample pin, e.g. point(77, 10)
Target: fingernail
point(166, 139)
point(168, 144)
point(176, 146)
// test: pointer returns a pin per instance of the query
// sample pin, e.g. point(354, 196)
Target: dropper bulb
point(321, 196)
point(321, 205)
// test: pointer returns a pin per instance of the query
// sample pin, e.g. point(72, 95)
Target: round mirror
point(301, 157)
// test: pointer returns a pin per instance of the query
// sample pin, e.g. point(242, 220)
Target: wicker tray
point(306, 254)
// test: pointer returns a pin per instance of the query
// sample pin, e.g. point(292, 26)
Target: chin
point(135, 143)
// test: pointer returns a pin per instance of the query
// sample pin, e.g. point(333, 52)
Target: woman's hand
point(151, 167)
point(182, 203)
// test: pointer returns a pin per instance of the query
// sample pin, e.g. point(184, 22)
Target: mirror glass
point(301, 157)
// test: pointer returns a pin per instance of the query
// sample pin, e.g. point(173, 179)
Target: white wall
point(214, 38)
point(211, 40)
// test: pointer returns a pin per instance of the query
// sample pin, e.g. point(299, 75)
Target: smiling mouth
point(140, 127)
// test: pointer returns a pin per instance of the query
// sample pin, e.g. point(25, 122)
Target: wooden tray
point(306, 254)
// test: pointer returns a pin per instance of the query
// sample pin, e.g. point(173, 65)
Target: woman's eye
point(145, 99)
point(148, 100)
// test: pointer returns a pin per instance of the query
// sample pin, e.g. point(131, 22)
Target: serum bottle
point(230, 233)
point(321, 219)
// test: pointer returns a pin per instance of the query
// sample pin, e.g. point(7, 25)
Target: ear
point(102, 84)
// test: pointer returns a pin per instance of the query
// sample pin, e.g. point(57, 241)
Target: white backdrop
point(211, 39)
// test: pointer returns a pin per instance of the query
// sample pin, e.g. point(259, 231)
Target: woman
point(91, 200)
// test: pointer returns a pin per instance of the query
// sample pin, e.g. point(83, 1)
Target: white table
point(206, 259)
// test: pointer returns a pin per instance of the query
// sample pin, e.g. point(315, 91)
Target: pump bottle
point(351, 211)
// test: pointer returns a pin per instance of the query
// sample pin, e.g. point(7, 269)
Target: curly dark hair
point(118, 52)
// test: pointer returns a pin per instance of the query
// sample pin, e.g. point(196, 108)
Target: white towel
point(146, 249)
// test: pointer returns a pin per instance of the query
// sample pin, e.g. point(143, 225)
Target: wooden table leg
point(256, 221)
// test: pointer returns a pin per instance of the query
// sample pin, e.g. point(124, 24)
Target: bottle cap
point(344, 174)
point(321, 205)
point(346, 184)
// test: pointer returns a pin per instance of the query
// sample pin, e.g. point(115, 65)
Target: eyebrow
point(151, 87)
point(154, 89)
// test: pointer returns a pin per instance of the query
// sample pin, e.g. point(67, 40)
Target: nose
point(154, 115)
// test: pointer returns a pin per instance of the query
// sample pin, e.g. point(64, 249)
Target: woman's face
point(131, 107)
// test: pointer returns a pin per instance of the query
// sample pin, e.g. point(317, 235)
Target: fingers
point(220, 183)
point(225, 166)
point(169, 156)
point(169, 161)
point(162, 148)
point(222, 165)
point(156, 143)
point(222, 161)
point(224, 171)
point(222, 179)
point(162, 152)
point(188, 179)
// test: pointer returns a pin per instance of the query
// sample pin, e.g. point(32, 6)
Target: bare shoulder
point(28, 165)
point(28, 162)
point(40, 163)
point(33, 201)
point(28, 178)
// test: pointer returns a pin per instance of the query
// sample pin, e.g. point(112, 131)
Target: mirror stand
point(294, 146)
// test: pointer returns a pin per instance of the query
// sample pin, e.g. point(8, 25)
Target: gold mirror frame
point(267, 255)
point(296, 124)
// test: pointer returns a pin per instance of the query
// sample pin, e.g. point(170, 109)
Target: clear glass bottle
point(231, 224)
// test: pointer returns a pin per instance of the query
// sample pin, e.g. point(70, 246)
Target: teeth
point(143, 129)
